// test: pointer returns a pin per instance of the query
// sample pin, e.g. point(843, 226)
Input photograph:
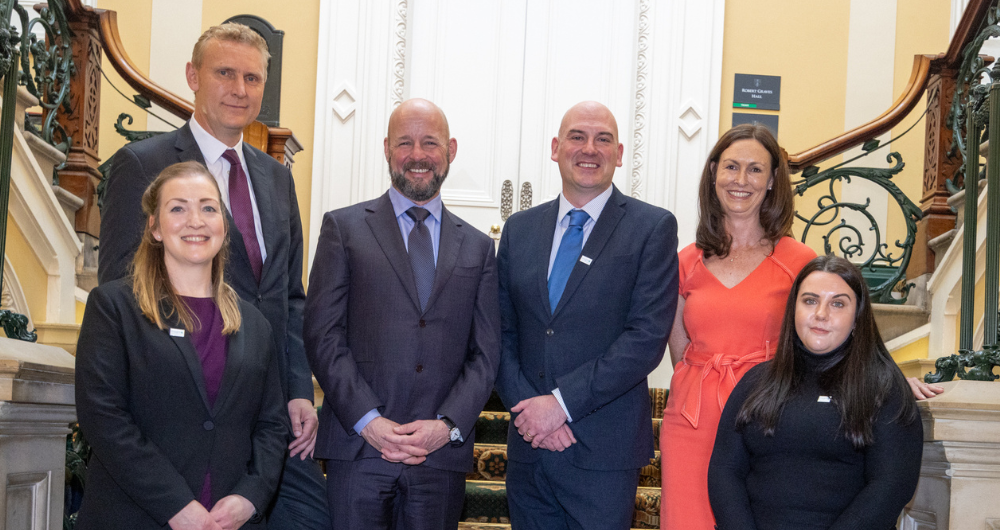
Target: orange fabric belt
point(726, 365)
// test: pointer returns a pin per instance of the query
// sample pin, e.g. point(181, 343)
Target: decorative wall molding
point(639, 110)
point(12, 297)
point(343, 103)
point(399, 53)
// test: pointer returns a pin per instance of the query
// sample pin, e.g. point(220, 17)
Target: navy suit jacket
point(370, 345)
point(607, 333)
point(143, 407)
point(279, 295)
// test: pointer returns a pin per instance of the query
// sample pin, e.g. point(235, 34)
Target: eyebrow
point(845, 295)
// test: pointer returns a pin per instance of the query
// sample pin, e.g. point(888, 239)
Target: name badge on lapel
point(823, 399)
point(174, 332)
point(585, 260)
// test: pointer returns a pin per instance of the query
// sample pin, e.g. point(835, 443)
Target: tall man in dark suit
point(588, 289)
point(402, 330)
point(227, 73)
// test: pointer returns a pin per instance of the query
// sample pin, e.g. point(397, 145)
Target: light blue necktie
point(569, 251)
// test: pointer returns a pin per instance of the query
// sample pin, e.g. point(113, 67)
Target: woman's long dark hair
point(862, 381)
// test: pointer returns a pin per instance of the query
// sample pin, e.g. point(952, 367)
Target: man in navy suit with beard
point(588, 290)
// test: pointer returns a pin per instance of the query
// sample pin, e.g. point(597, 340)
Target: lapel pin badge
point(174, 332)
point(585, 260)
point(823, 399)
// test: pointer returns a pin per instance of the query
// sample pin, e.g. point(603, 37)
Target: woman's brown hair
point(776, 212)
point(150, 281)
point(863, 379)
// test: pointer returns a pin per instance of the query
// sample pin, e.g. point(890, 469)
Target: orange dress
point(731, 331)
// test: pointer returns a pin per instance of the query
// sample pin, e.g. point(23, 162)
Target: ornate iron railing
point(883, 266)
point(976, 106)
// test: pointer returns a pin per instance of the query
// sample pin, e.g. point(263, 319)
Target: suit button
point(549, 332)
point(260, 298)
point(541, 375)
point(420, 368)
point(422, 323)
point(208, 425)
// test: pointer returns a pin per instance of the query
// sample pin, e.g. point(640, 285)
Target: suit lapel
point(448, 246)
point(187, 147)
point(384, 226)
point(187, 351)
point(265, 202)
point(542, 251)
point(605, 226)
point(235, 350)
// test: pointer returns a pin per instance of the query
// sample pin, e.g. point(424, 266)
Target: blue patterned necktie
point(421, 252)
point(569, 250)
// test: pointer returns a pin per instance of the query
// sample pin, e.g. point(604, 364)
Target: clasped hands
point(542, 423)
point(408, 444)
point(230, 513)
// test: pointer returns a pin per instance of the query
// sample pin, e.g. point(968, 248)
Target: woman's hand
point(232, 511)
point(194, 516)
point(922, 390)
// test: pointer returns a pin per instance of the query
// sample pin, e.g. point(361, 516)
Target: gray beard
point(418, 193)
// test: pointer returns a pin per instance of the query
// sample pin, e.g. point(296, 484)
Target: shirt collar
point(400, 204)
point(211, 147)
point(593, 208)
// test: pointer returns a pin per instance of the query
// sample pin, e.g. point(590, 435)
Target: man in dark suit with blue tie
point(588, 290)
point(227, 73)
point(402, 330)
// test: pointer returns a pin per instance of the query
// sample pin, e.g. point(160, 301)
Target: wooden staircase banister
point(119, 59)
point(901, 108)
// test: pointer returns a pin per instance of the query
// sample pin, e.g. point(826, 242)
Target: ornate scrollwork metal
point(882, 261)
point(979, 362)
point(525, 202)
point(968, 89)
point(51, 60)
point(15, 325)
point(132, 136)
point(506, 200)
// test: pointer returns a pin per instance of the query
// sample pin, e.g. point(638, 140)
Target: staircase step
point(486, 503)
point(491, 466)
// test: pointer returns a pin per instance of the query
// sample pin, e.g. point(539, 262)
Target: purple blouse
point(212, 347)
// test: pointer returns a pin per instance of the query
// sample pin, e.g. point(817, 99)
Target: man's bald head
point(419, 149)
point(591, 109)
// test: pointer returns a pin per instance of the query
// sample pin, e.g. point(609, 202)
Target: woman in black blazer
point(827, 434)
point(177, 385)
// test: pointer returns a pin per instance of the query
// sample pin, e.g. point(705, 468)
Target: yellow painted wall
point(30, 273)
point(134, 22)
point(298, 71)
point(915, 350)
point(921, 28)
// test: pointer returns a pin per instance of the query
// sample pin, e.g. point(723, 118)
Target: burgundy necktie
point(242, 210)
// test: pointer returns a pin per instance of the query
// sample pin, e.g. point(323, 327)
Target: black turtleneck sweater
point(808, 475)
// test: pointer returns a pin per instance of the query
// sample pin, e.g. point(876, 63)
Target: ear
point(452, 150)
point(153, 229)
point(191, 74)
point(712, 166)
point(621, 151)
point(385, 146)
point(555, 148)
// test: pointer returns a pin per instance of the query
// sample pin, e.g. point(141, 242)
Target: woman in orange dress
point(734, 283)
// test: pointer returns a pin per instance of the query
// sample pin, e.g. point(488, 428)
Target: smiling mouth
point(587, 165)
point(418, 171)
point(739, 194)
point(194, 239)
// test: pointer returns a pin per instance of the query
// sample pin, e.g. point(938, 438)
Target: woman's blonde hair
point(150, 281)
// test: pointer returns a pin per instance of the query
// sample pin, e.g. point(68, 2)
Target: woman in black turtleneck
point(827, 434)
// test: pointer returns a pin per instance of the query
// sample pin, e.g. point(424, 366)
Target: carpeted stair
point(485, 494)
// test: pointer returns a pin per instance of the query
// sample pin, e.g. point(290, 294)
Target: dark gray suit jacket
point(370, 346)
point(607, 334)
point(279, 296)
point(142, 404)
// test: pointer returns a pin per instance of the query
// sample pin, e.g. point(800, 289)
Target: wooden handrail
point(915, 88)
point(967, 29)
point(118, 58)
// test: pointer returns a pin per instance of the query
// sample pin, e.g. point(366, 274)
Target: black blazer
point(142, 405)
point(607, 334)
point(370, 345)
point(280, 296)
